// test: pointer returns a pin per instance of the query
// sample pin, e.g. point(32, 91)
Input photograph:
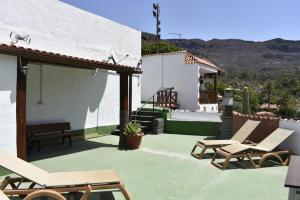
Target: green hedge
point(192, 128)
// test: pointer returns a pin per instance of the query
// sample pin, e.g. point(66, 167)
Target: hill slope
point(269, 58)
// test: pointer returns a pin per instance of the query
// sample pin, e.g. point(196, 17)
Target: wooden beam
point(215, 82)
point(124, 108)
point(36, 56)
point(21, 110)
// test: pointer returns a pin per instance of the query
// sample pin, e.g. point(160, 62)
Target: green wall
point(192, 128)
point(93, 132)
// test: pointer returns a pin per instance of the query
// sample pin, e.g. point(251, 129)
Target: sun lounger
point(44, 184)
point(3, 196)
point(241, 135)
point(264, 150)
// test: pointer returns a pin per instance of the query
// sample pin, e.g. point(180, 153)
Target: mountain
point(269, 58)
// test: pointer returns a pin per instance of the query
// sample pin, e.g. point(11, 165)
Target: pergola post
point(215, 81)
point(21, 108)
point(130, 96)
point(124, 107)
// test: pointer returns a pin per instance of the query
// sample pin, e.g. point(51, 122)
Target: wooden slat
point(46, 128)
point(293, 175)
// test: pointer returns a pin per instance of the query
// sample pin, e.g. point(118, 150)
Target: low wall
point(265, 128)
point(293, 142)
point(192, 128)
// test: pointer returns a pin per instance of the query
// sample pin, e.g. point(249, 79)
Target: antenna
point(156, 15)
point(15, 37)
point(178, 34)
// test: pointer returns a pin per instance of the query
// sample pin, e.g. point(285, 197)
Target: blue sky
point(256, 20)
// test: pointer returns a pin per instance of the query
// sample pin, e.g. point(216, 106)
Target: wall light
point(95, 72)
point(24, 70)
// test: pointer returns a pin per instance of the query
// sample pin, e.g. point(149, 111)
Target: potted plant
point(133, 135)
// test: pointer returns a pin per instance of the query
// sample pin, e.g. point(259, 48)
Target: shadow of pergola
point(59, 150)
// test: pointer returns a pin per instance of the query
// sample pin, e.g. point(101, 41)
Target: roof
point(269, 106)
point(167, 53)
point(34, 55)
point(190, 58)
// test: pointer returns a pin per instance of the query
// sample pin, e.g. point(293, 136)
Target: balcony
point(208, 97)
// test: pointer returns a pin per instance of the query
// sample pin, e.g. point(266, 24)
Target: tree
point(269, 91)
point(163, 47)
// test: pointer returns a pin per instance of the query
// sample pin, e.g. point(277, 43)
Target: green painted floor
point(164, 170)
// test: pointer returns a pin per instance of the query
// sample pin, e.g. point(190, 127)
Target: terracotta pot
point(134, 141)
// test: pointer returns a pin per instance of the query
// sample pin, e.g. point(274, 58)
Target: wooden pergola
point(26, 56)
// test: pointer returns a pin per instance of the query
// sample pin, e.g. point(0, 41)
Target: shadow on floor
point(59, 149)
point(94, 196)
point(246, 164)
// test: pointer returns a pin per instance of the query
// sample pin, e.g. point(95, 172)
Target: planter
point(134, 141)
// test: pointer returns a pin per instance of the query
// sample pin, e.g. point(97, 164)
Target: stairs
point(145, 117)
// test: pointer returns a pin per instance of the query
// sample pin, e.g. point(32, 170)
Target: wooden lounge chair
point(34, 182)
point(241, 135)
point(3, 196)
point(264, 150)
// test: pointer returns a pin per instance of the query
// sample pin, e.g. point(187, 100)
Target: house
point(194, 79)
point(269, 106)
point(59, 63)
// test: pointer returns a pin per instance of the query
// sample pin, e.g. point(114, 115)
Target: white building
point(69, 77)
point(193, 78)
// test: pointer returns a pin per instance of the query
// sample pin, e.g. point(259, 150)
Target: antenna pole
point(156, 14)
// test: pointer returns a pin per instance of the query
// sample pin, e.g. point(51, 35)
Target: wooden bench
point(37, 133)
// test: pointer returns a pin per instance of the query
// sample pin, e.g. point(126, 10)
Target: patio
point(164, 169)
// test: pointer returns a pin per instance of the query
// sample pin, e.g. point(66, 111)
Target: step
point(143, 116)
point(142, 121)
point(147, 113)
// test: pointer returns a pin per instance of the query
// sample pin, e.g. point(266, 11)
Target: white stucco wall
point(136, 92)
point(175, 73)
point(58, 27)
point(8, 78)
point(209, 107)
point(292, 142)
point(71, 94)
point(76, 96)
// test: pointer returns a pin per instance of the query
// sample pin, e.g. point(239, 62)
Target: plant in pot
point(133, 135)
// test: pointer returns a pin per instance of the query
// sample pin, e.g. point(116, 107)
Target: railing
point(164, 99)
point(167, 98)
point(149, 100)
point(207, 97)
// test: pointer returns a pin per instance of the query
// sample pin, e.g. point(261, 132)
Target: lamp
point(140, 63)
point(95, 72)
point(24, 70)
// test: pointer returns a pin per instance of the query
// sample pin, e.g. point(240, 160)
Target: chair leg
point(63, 140)
point(225, 164)
point(201, 154)
point(87, 193)
point(124, 191)
point(45, 193)
point(249, 156)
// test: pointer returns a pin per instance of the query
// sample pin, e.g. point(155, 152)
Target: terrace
point(163, 169)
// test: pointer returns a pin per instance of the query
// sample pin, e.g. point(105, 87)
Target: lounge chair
point(264, 150)
point(241, 135)
point(39, 183)
point(3, 196)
